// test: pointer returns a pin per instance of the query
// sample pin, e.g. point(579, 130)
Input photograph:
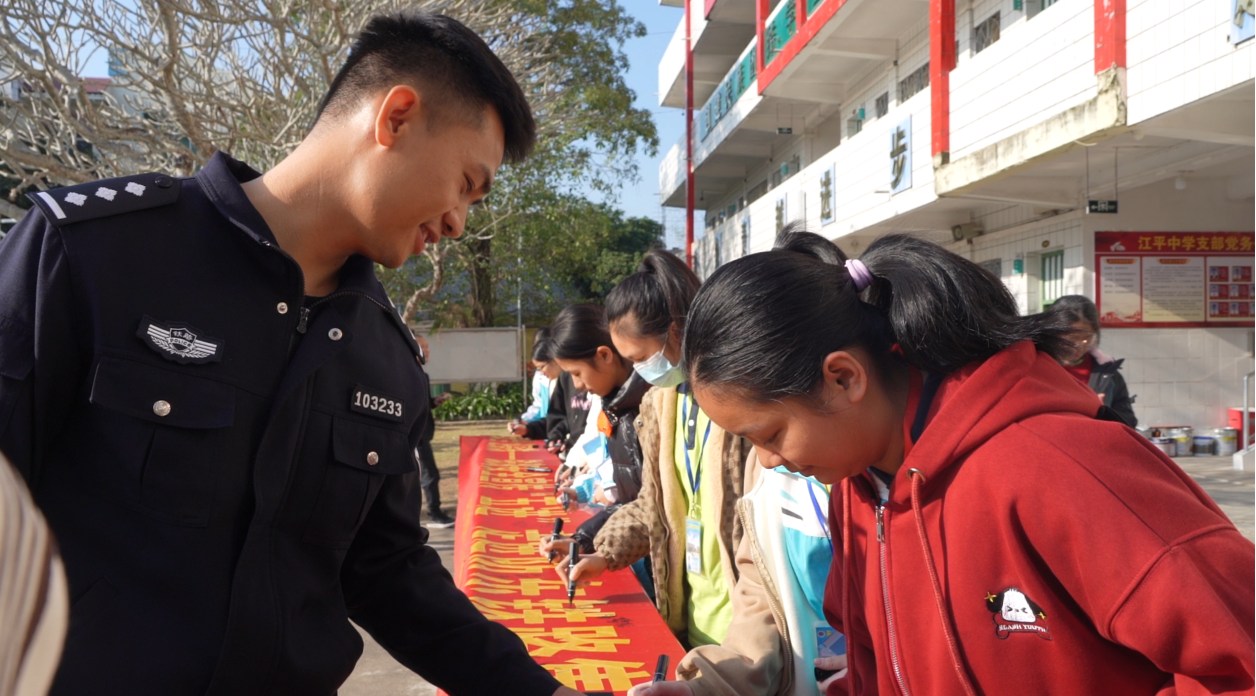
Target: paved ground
point(377, 674)
point(1233, 490)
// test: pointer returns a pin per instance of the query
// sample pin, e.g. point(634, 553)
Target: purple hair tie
point(859, 274)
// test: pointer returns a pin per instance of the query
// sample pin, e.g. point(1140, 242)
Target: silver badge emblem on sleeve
point(179, 342)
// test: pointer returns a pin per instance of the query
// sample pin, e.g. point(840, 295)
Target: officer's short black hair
point(457, 73)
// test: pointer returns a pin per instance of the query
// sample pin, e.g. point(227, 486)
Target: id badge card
point(829, 643)
point(693, 546)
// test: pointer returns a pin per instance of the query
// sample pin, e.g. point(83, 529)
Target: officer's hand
point(664, 688)
point(443, 397)
point(838, 663)
point(564, 691)
point(554, 446)
point(519, 429)
point(559, 548)
point(590, 567)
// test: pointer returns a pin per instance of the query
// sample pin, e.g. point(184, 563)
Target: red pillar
point(941, 63)
point(760, 16)
point(689, 206)
point(1109, 34)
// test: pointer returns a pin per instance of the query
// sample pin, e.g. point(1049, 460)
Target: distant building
point(1005, 129)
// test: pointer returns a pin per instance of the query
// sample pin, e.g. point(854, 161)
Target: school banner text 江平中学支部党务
point(610, 638)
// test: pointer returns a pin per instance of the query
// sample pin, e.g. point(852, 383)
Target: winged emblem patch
point(179, 342)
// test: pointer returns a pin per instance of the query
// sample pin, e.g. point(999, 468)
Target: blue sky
point(639, 199)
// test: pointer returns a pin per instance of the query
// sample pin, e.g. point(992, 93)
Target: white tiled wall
point(1178, 51)
point(1038, 68)
point(1182, 376)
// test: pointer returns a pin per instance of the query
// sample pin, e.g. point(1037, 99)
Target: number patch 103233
point(373, 403)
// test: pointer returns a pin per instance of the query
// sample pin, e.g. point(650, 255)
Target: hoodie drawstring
point(847, 555)
point(917, 477)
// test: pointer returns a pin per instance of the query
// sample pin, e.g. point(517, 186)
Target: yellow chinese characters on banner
point(506, 506)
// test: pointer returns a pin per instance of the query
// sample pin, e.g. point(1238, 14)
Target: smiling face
point(601, 374)
point(416, 177)
point(852, 423)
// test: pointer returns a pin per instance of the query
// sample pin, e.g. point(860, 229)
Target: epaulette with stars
point(106, 197)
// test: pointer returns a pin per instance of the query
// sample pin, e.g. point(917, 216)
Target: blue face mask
point(660, 371)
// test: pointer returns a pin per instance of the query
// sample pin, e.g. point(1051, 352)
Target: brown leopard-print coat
point(654, 523)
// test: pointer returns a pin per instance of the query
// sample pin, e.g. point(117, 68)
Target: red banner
point(610, 639)
point(1174, 279)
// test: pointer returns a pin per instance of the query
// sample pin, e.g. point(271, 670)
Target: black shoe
point(437, 519)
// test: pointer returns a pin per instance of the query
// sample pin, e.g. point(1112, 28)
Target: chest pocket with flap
point(187, 422)
point(363, 455)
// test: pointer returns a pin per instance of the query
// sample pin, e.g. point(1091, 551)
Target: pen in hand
point(572, 559)
point(660, 669)
point(558, 529)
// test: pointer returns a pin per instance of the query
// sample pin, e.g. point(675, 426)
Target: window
point(986, 33)
point(1052, 278)
point(909, 86)
point(757, 191)
point(882, 105)
point(745, 235)
point(994, 267)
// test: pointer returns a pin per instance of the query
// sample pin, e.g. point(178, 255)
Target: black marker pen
point(558, 529)
point(572, 559)
point(660, 669)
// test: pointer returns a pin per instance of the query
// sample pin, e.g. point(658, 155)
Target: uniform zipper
point(885, 596)
point(308, 310)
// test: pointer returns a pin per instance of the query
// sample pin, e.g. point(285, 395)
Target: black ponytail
point(657, 295)
point(578, 331)
point(763, 323)
point(542, 348)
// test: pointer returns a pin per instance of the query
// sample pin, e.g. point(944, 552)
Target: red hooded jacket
point(1028, 548)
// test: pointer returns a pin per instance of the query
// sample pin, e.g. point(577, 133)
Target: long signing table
point(611, 638)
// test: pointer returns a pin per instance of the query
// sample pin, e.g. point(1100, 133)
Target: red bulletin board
point(611, 639)
point(1174, 279)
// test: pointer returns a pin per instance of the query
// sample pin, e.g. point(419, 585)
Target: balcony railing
point(812, 5)
point(730, 90)
point(781, 26)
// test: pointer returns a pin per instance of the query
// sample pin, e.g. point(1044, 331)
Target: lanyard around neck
point(694, 480)
point(824, 520)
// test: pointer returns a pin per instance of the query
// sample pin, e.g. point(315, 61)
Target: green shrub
point(487, 402)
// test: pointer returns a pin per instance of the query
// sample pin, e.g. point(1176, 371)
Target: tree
point(572, 250)
point(191, 77)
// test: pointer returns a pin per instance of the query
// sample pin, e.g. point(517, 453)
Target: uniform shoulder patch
point(106, 197)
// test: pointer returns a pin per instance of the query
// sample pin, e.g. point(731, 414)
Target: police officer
point(217, 406)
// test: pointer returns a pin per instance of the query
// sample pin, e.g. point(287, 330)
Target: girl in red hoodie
point(996, 537)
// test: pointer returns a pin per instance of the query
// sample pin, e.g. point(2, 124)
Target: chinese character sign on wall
point(900, 157)
point(827, 194)
point(1174, 278)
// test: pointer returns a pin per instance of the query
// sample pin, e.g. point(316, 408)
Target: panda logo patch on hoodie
point(1014, 612)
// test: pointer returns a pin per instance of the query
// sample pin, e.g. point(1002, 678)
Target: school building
point(1095, 147)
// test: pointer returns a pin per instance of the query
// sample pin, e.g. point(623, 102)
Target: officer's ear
point(400, 112)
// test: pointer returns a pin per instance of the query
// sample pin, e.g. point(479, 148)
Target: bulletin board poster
point(1174, 279)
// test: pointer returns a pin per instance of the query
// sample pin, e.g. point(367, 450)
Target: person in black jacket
point(1087, 363)
point(582, 346)
point(216, 405)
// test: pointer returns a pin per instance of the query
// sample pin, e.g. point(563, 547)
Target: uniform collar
point(221, 178)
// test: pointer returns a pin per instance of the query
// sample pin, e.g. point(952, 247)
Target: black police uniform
point(228, 467)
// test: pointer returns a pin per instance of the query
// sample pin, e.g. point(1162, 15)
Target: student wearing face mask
point(992, 534)
point(684, 520)
point(745, 585)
